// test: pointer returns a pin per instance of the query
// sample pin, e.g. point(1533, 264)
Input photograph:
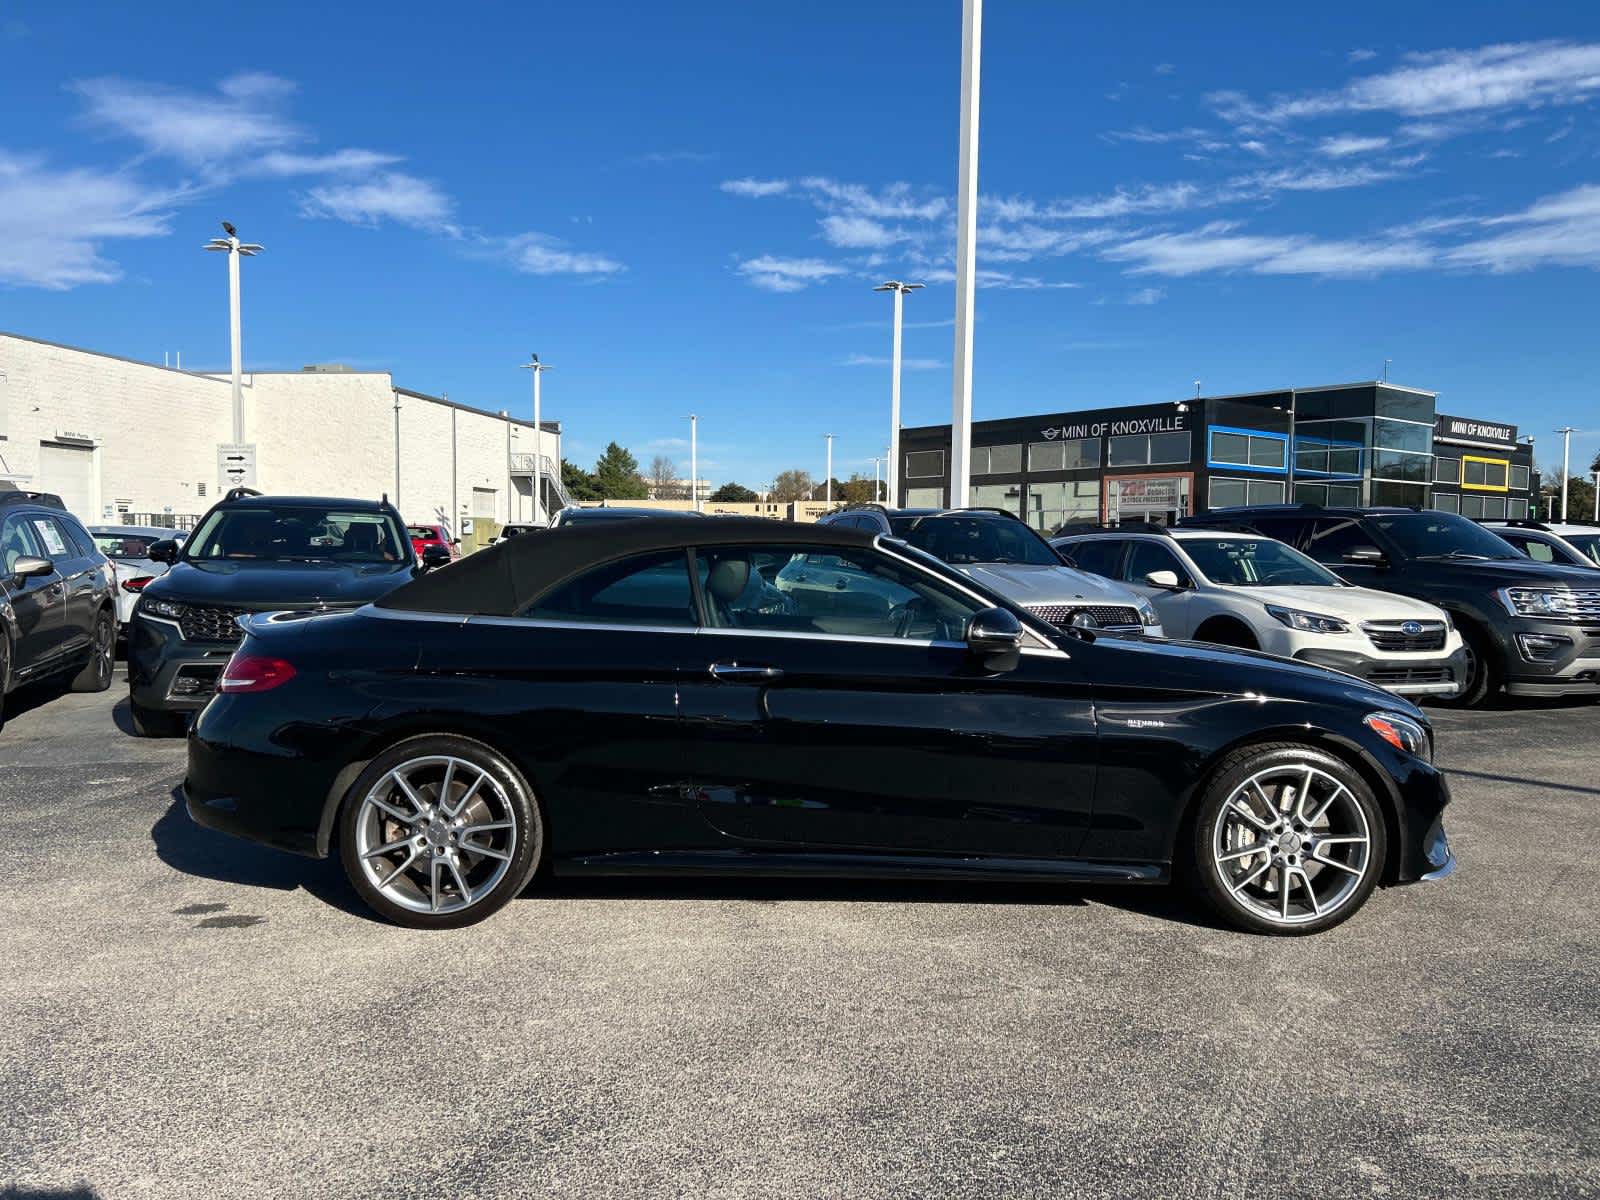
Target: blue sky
point(684, 208)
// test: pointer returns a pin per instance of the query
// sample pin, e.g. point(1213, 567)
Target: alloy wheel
point(436, 834)
point(1291, 844)
point(104, 650)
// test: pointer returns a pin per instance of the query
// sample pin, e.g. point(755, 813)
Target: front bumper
point(1552, 658)
point(1404, 674)
point(1424, 852)
point(168, 673)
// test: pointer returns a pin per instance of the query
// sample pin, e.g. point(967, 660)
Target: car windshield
point(961, 541)
point(1240, 562)
point(1433, 535)
point(124, 545)
point(299, 533)
point(1587, 544)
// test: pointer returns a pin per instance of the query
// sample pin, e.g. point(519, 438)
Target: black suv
point(58, 607)
point(1532, 628)
point(254, 553)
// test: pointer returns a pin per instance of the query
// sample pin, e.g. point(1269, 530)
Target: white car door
point(1175, 606)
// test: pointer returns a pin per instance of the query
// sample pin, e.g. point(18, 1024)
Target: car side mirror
point(32, 567)
point(434, 556)
point(994, 636)
point(1164, 579)
point(1366, 556)
point(164, 551)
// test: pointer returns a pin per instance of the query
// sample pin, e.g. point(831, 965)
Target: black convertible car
point(730, 695)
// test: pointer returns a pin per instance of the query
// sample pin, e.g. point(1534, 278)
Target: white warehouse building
point(124, 441)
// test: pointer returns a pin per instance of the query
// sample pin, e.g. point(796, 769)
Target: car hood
point(1037, 585)
point(1511, 572)
point(1200, 666)
point(1352, 603)
point(245, 584)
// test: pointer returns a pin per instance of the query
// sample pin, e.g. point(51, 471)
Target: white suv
point(1551, 542)
point(1241, 589)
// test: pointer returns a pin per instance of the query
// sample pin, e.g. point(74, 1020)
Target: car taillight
point(254, 673)
point(137, 585)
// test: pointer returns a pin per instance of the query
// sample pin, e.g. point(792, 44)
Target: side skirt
point(842, 865)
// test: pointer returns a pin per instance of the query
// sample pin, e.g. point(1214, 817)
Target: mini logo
point(1411, 628)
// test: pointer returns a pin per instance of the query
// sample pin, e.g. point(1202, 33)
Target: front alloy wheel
point(1289, 840)
point(440, 832)
point(97, 671)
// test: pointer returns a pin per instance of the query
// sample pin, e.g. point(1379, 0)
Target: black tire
point(1244, 906)
point(97, 673)
point(155, 723)
point(502, 787)
point(1484, 672)
point(1227, 633)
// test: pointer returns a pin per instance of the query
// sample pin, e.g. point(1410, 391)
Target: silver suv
point(1551, 542)
point(998, 550)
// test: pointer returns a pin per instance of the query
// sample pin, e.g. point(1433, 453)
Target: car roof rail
point(1520, 523)
point(239, 493)
point(43, 499)
point(1155, 527)
point(979, 508)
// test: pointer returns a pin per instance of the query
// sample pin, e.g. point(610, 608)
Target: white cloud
point(1149, 295)
point(1560, 230)
point(1347, 144)
point(1216, 247)
point(1361, 55)
point(390, 196)
point(340, 162)
point(787, 274)
point(894, 202)
point(539, 254)
point(857, 232)
point(53, 221)
point(755, 188)
point(907, 364)
point(1143, 135)
point(1164, 68)
point(660, 157)
point(200, 129)
point(1440, 83)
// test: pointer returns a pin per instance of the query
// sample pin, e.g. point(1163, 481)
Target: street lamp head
point(227, 227)
point(251, 249)
point(887, 285)
point(218, 244)
point(911, 287)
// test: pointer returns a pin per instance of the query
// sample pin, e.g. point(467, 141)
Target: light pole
point(877, 478)
point(235, 249)
point(828, 485)
point(1294, 404)
point(899, 289)
point(538, 368)
point(1566, 465)
point(694, 460)
point(1386, 363)
point(966, 254)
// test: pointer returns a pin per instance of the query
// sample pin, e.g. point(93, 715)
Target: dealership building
point(123, 441)
point(1358, 443)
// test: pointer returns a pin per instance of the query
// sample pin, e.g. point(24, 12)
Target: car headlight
point(1309, 622)
point(156, 607)
point(1402, 733)
point(1534, 602)
point(1147, 613)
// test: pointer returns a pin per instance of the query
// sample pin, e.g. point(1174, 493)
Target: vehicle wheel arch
point(391, 736)
point(1346, 751)
point(1227, 622)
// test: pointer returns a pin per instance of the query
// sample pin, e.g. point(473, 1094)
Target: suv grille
point(1392, 638)
point(210, 623)
point(1400, 676)
point(1586, 605)
point(1106, 616)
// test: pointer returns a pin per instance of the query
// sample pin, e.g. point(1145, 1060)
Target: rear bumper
point(1404, 674)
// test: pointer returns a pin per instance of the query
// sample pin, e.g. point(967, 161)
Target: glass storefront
point(1160, 499)
point(1073, 502)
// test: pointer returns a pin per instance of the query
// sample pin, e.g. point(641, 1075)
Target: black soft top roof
point(500, 580)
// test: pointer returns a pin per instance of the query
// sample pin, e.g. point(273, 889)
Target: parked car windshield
point(1587, 544)
point(299, 534)
point(424, 533)
point(124, 545)
point(1238, 562)
point(1443, 535)
point(961, 541)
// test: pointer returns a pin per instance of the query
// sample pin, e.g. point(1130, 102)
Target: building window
point(1051, 505)
point(1406, 406)
point(1252, 450)
point(1519, 479)
point(1329, 495)
point(1484, 474)
point(1237, 493)
point(1145, 450)
point(200, 488)
point(924, 497)
point(1402, 435)
point(1517, 510)
point(1400, 495)
point(484, 502)
point(1330, 448)
point(1445, 502)
point(997, 495)
point(1494, 508)
point(1079, 455)
point(996, 460)
point(1472, 506)
point(925, 464)
point(1393, 464)
point(1447, 470)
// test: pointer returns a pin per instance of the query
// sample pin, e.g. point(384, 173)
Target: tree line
point(617, 476)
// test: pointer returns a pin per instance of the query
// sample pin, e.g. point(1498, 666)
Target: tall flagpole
point(966, 255)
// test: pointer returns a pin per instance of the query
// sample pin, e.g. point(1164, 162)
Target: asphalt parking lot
point(187, 1015)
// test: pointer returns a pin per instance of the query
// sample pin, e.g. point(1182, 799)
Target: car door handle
point(734, 673)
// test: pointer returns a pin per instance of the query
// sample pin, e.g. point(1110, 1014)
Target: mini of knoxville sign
point(1094, 429)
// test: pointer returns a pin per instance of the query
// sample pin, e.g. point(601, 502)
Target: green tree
point(616, 475)
point(858, 489)
point(579, 483)
point(734, 493)
point(792, 485)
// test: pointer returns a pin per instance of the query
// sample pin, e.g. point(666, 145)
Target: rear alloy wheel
point(440, 832)
point(97, 672)
point(1288, 840)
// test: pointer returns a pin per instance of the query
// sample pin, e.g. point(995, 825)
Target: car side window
point(17, 540)
point(1152, 556)
point(53, 537)
point(1102, 556)
point(647, 589)
point(846, 591)
point(1334, 537)
point(1536, 550)
point(80, 537)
